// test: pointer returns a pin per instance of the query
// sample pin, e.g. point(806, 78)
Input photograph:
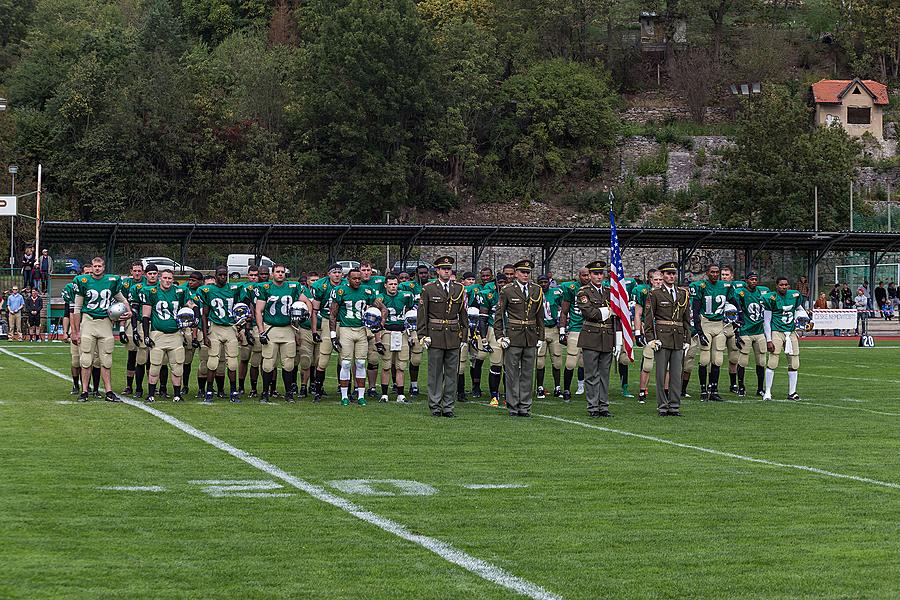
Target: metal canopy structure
point(550, 239)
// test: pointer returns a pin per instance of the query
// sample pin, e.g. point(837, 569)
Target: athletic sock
point(733, 377)
point(232, 381)
point(702, 373)
point(129, 380)
point(384, 389)
point(288, 377)
point(399, 390)
point(360, 391)
point(580, 375)
point(494, 380)
point(714, 377)
point(623, 374)
point(460, 384)
point(139, 376)
point(344, 391)
point(567, 379)
point(539, 377)
point(151, 389)
point(475, 372)
point(741, 371)
point(760, 376)
point(267, 381)
point(220, 383)
point(792, 382)
point(770, 376)
point(95, 378)
point(684, 382)
point(555, 377)
point(185, 374)
point(76, 379)
point(254, 377)
point(201, 384)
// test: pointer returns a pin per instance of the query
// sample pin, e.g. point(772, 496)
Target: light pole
point(13, 169)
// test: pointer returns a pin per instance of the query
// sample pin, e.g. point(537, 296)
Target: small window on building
point(859, 116)
point(856, 90)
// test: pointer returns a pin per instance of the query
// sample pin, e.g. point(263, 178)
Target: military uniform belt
point(674, 323)
point(518, 322)
point(443, 321)
point(601, 325)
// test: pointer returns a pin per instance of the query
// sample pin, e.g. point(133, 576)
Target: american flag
point(617, 293)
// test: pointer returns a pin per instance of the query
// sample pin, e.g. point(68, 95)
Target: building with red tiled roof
point(854, 104)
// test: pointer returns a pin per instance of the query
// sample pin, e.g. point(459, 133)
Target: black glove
point(135, 337)
point(264, 338)
point(738, 341)
point(250, 338)
point(640, 340)
point(563, 339)
point(379, 348)
point(123, 337)
point(195, 344)
point(473, 343)
point(701, 337)
point(148, 342)
point(317, 339)
point(336, 343)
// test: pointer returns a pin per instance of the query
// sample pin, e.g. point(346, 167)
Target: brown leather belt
point(601, 325)
point(518, 322)
point(443, 321)
point(675, 323)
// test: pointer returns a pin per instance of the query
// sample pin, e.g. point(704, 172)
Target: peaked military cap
point(598, 266)
point(669, 266)
point(444, 262)
point(524, 265)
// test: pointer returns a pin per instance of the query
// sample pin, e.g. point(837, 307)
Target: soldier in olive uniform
point(519, 328)
point(598, 340)
point(442, 328)
point(667, 326)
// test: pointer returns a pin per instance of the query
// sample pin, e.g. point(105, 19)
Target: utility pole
point(816, 207)
point(387, 267)
point(851, 205)
point(13, 169)
point(37, 220)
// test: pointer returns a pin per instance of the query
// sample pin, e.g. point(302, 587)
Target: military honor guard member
point(597, 341)
point(441, 328)
point(519, 329)
point(667, 327)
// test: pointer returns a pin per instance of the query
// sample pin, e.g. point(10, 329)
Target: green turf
point(603, 515)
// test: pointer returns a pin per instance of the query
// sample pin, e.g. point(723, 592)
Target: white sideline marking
point(494, 486)
point(133, 488)
point(448, 552)
point(64, 402)
point(806, 403)
point(867, 379)
point(761, 461)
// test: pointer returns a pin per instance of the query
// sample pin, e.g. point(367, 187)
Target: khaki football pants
point(690, 357)
point(354, 343)
point(399, 358)
point(307, 349)
point(75, 356)
point(415, 353)
point(734, 355)
point(497, 355)
point(223, 336)
point(647, 359)
point(251, 354)
point(573, 352)
point(778, 339)
point(96, 336)
point(463, 359)
point(283, 344)
point(325, 348)
point(758, 344)
point(715, 335)
point(372, 355)
point(551, 344)
point(168, 349)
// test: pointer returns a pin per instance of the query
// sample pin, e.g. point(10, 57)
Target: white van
point(238, 264)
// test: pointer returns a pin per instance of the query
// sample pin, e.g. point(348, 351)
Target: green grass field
point(683, 509)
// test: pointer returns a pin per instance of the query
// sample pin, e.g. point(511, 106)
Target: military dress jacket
point(668, 320)
point(442, 316)
point(520, 317)
point(596, 334)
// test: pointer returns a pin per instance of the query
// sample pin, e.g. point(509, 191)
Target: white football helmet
point(117, 310)
point(411, 317)
point(802, 321)
point(730, 313)
point(372, 318)
point(474, 316)
point(241, 313)
point(186, 318)
point(299, 313)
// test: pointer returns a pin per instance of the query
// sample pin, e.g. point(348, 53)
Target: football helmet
point(474, 316)
point(411, 317)
point(186, 318)
point(802, 321)
point(730, 313)
point(372, 318)
point(241, 313)
point(117, 310)
point(299, 313)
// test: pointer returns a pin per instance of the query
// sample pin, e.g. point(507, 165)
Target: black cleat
point(149, 399)
point(273, 394)
point(289, 397)
point(253, 393)
point(317, 397)
point(111, 397)
point(567, 396)
point(200, 395)
point(461, 397)
point(176, 398)
point(236, 397)
point(163, 393)
point(371, 393)
point(184, 391)
point(126, 391)
point(139, 393)
point(304, 392)
point(557, 392)
point(541, 394)
point(760, 393)
point(742, 392)
point(715, 397)
point(733, 389)
point(84, 397)
point(97, 394)
point(220, 395)
point(476, 392)
point(684, 394)
point(75, 391)
point(264, 398)
point(795, 397)
point(208, 399)
point(704, 395)
point(414, 392)
point(642, 397)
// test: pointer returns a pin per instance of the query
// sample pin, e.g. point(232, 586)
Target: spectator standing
point(803, 288)
point(27, 264)
point(836, 296)
point(34, 304)
point(861, 303)
point(822, 304)
point(881, 295)
point(15, 303)
point(45, 268)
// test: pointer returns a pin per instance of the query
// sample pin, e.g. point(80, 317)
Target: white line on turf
point(448, 552)
point(762, 461)
point(807, 403)
point(494, 486)
point(132, 488)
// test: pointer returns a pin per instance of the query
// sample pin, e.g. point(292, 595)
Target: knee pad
point(372, 366)
point(156, 358)
point(142, 355)
point(154, 370)
point(360, 368)
point(287, 363)
point(86, 360)
point(212, 363)
point(794, 363)
point(772, 362)
point(177, 369)
point(305, 361)
point(345, 370)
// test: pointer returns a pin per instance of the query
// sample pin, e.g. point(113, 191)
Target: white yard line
point(494, 486)
point(762, 461)
point(133, 488)
point(479, 567)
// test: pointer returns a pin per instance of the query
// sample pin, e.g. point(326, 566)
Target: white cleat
point(384, 398)
point(767, 396)
point(580, 389)
point(402, 399)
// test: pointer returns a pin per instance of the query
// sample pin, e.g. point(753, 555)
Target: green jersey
point(164, 306)
point(376, 283)
point(552, 300)
point(129, 289)
point(250, 293)
point(576, 320)
point(397, 306)
point(278, 300)
point(713, 297)
point(413, 287)
point(190, 294)
point(139, 292)
point(97, 294)
point(640, 293)
point(487, 301)
point(784, 309)
point(220, 301)
point(321, 291)
point(751, 306)
point(472, 294)
point(351, 304)
point(68, 294)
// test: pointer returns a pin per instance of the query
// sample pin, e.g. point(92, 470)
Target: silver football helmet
point(411, 317)
point(117, 310)
point(474, 316)
point(186, 318)
point(241, 313)
point(299, 314)
point(730, 313)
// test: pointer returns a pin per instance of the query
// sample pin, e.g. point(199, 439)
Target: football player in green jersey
point(190, 287)
point(151, 280)
point(134, 367)
point(488, 301)
point(783, 310)
point(273, 320)
point(308, 342)
point(639, 295)
point(348, 334)
point(748, 299)
point(552, 300)
point(321, 292)
point(159, 310)
point(218, 301)
point(709, 306)
point(570, 323)
point(731, 341)
point(471, 291)
point(394, 305)
point(68, 298)
point(251, 349)
point(202, 370)
point(376, 284)
point(414, 286)
point(94, 294)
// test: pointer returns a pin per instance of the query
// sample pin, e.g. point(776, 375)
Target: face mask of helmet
point(186, 318)
point(411, 317)
point(240, 313)
point(299, 314)
point(474, 315)
point(372, 318)
point(730, 313)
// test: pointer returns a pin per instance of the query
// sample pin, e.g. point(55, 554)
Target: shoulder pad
point(370, 291)
point(113, 277)
point(292, 285)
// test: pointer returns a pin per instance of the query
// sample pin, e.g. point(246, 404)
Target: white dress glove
point(618, 349)
point(425, 341)
point(604, 313)
point(504, 342)
point(540, 344)
point(685, 347)
point(655, 344)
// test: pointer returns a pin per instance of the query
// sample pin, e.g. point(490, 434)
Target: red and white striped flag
point(617, 292)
